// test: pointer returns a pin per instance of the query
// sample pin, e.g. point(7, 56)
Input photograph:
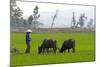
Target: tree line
point(81, 21)
point(17, 19)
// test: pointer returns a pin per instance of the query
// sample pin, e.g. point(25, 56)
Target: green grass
point(85, 48)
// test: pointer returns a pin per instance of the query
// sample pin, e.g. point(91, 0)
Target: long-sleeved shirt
point(28, 37)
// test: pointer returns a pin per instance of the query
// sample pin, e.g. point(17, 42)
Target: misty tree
point(36, 17)
point(53, 18)
point(25, 23)
point(90, 23)
point(30, 20)
point(12, 5)
point(81, 21)
point(21, 22)
point(16, 13)
point(73, 24)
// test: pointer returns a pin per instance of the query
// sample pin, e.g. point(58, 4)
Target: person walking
point(28, 39)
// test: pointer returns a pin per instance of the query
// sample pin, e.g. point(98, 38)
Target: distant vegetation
point(17, 19)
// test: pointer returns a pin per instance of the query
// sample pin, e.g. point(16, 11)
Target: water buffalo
point(46, 44)
point(68, 44)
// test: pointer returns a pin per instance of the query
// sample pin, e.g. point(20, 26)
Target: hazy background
point(65, 13)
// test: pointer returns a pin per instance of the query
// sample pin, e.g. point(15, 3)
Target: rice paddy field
point(85, 48)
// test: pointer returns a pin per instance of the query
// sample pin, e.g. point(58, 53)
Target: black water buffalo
point(46, 44)
point(67, 45)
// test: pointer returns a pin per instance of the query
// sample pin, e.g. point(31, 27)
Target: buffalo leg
point(68, 50)
point(54, 50)
point(43, 50)
point(64, 51)
point(73, 50)
point(47, 50)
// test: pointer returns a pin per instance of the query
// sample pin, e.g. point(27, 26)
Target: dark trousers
point(27, 47)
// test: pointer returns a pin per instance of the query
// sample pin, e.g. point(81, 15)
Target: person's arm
point(31, 39)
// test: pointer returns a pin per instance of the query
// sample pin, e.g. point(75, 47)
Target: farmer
point(28, 39)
